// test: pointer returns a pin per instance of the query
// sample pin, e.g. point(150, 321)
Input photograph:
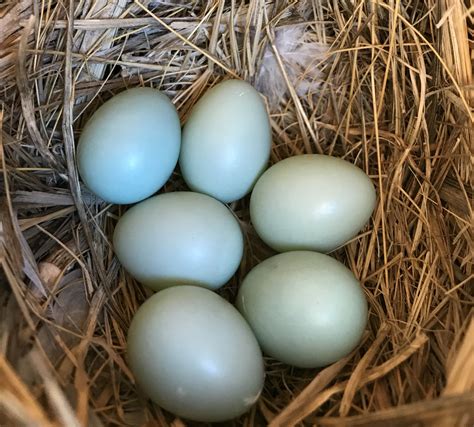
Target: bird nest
point(386, 85)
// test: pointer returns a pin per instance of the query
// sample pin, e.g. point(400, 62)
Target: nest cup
point(385, 85)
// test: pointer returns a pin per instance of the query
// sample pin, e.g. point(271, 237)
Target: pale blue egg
point(305, 308)
point(311, 202)
point(193, 354)
point(130, 146)
point(226, 141)
point(179, 238)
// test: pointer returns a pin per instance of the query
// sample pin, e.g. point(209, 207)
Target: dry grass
point(395, 97)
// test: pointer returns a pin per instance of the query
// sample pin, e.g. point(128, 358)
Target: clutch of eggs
point(190, 350)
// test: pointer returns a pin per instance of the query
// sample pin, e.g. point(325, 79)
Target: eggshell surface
point(226, 141)
point(179, 238)
point(130, 146)
point(194, 355)
point(305, 308)
point(311, 202)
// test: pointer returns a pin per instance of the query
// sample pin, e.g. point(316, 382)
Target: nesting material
point(385, 85)
point(290, 61)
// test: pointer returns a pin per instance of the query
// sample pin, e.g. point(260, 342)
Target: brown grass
point(395, 98)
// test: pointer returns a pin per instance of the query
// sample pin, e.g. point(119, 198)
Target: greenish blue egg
point(130, 146)
point(311, 202)
point(305, 308)
point(194, 355)
point(179, 238)
point(226, 141)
